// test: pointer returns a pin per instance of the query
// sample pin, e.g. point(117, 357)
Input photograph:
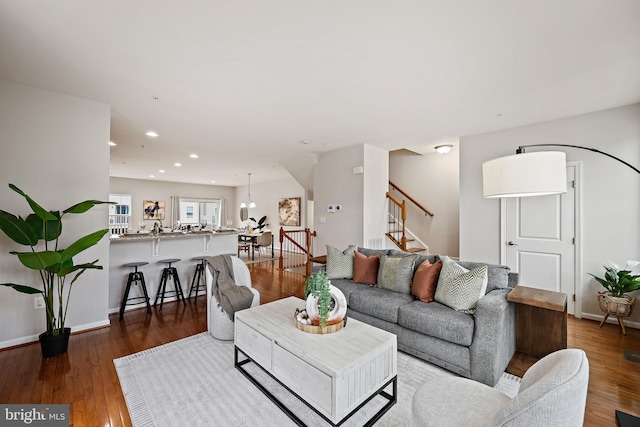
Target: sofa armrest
point(494, 337)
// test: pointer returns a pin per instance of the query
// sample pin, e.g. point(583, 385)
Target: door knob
point(510, 243)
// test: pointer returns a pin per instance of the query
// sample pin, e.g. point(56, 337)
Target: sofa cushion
point(425, 280)
point(497, 275)
point(437, 320)
point(347, 286)
point(340, 263)
point(369, 252)
point(459, 288)
point(396, 273)
point(420, 258)
point(365, 268)
point(377, 302)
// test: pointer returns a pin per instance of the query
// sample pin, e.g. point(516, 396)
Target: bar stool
point(134, 278)
point(169, 273)
point(198, 282)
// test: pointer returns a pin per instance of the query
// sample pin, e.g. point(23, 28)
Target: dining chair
point(262, 241)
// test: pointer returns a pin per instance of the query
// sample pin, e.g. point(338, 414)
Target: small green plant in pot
point(318, 285)
point(617, 281)
point(41, 231)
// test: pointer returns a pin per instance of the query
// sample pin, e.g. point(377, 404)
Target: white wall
point(610, 190)
point(433, 180)
point(266, 195)
point(142, 189)
point(43, 135)
point(362, 196)
point(375, 186)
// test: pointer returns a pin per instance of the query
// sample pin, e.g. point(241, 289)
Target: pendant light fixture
point(250, 202)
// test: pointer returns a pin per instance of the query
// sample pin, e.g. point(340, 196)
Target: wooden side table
point(541, 325)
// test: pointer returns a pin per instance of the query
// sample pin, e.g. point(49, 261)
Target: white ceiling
point(241, 83)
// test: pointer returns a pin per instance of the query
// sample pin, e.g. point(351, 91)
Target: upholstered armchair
point(218, 322)
point(553, 392)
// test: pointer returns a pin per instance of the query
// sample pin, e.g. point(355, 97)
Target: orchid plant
point(619, 281)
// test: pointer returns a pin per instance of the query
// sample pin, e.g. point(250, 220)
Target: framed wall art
point(289, 211)
point(152, 210)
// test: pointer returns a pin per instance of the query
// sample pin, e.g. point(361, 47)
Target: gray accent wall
point(610, 191)
point(55, 148)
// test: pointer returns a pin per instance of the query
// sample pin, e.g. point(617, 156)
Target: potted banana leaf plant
point(41, 231)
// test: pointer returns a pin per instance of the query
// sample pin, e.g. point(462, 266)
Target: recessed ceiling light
point(213, 182)
point(152, 134)
point(193, 156)
point(113, 144)
point(151, 176)
point(177, 164)
point(161, 171)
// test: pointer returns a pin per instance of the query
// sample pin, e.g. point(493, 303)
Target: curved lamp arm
point(521, 150)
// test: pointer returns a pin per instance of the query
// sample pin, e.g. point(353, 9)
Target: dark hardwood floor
point(85, 376)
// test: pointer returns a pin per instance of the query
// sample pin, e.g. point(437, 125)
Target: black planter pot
point(54, 345)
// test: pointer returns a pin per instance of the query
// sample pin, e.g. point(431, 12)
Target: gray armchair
point(553, 392)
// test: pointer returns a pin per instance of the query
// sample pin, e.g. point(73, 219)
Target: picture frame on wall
point(152, 209)
point(289, 211)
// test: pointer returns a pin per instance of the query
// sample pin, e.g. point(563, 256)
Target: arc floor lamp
point(531, 174)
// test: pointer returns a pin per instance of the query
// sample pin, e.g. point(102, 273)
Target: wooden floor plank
point(86, 378)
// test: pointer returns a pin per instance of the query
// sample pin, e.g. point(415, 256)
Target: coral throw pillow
point(365, 269)
point(425, 280)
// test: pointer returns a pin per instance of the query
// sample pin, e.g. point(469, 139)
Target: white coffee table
point(334, 374)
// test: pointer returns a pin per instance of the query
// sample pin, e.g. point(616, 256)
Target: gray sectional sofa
point(477, 346)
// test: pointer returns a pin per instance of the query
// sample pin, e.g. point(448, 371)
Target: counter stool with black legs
point(169, 273)
point(198, 282)
point(135, 277)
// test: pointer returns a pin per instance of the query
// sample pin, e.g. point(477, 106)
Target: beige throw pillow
point(460, 288)
point(340, 263)
point(396, 273)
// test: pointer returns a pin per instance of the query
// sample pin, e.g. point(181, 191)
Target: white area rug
point(193, 382)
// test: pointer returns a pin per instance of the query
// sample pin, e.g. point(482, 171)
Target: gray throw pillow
point(340, 263)
point(396, 273)
point(460, 288)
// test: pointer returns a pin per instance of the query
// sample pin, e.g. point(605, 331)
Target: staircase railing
point(295, 249)
point(395, 225)
point(411, 199)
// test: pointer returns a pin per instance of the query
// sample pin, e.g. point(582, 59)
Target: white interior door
point(539, 239)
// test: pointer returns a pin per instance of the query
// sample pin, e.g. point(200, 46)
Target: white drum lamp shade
point(526, 174)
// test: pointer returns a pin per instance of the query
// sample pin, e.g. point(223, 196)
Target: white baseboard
point(611, 319)
point(34, 338)
point(142, 304)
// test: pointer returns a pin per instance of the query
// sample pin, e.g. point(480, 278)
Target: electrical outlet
point(38, 302)
point(331, 208)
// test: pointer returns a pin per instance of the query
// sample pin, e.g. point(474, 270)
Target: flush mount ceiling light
point(193, 156)
point(249, 201)
point(177, 164)
point(531, 174)
point(444, 148)
point(151, 134)
point(161, 171)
